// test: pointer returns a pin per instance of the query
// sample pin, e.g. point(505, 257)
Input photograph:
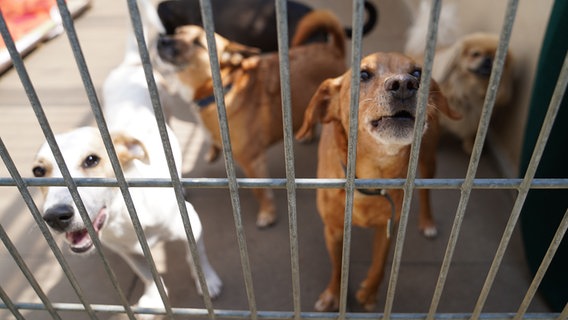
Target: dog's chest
point(375, 210)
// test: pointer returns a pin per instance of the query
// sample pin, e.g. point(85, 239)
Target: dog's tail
point(448, 26)
point(319, 21)
point(152, 27)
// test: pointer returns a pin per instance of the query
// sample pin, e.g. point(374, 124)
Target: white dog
point(130, 117)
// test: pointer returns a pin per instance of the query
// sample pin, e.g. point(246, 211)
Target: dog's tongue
point(80, 241)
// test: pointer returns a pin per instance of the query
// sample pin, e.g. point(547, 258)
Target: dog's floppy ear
point(445, 62)
point(129, 148)
point(323, 107)
point(235, 53)
point(437, 99)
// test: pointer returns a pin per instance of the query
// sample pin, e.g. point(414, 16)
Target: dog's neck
point(204, 95)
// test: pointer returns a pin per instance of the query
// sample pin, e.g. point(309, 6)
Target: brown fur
point(385, 125)
point(254, 101)
point(463, 78)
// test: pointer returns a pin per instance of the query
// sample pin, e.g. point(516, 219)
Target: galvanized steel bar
point(10, 305)
point(107, 141)
point(554, 106)
point(48, 133)
point(284, 63)
point(419, 124)
point(207, 17)
point(27, 273)
point(357, 17)
point(554, 244)
point(466, 188)
point(161, 123)
point(300, 183)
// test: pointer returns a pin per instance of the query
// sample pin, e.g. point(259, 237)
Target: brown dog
point(387, 107)
point(252, 89)
point(463, 71)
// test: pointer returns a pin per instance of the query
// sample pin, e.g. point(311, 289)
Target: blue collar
point(202, 103)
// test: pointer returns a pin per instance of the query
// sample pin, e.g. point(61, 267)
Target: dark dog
point(248, 22)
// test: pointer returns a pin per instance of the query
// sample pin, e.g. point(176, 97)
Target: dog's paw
point(214, 285)
point(430, 232)
point(327, 302)
point(265, 219)
point(367, 297)
point(213, 154)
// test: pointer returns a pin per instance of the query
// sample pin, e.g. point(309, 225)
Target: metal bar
point(174, 174)
point(487, 110)
point(283, 315)
point(207, 17)
point(555, 243)
point(8, 304)
point(423, 93)
point(358, 10)
point(26, 196)
point(554, 106)
point(107, 141)
point(284, 63)
point(301, 183)
point(48, 133)
point(27, 272)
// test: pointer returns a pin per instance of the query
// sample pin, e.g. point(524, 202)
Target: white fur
point(128, 112)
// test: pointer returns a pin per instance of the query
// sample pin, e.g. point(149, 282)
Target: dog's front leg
point(329, 299)
point(151, 297)
point(367, 293)
point(257, 168)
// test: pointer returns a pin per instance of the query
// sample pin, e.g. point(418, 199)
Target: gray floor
point(56, 79)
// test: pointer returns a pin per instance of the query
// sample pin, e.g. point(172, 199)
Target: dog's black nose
point(402, 86)
point(59, 217)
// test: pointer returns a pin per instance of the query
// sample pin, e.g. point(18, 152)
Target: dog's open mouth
point(399, 117)
point(80, 241)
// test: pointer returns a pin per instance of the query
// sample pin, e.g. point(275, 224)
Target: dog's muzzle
point(167, 49)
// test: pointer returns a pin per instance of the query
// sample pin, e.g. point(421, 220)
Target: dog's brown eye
point(38, 171)
point(91, 161)
point(475, 54)
point(416, 73)
point(365, 75)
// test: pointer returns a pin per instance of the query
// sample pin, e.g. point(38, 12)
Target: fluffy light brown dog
point(387, 108)
point(463, 71)
point(252, 89)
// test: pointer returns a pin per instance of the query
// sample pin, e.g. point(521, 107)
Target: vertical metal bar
point(103, 129)
point(466, 188)
point(27, 273)
point(555, 243)
point(207, 17)
point(10, 305)
point(554, 106)
point(422, 102)
point(34, 101)
point(357, 25)
point(161, 123)
point(27, 197)
point(282, 26)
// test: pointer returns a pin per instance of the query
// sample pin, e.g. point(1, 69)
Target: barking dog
point(387, 107)
point(130, 117)
point(252, 89)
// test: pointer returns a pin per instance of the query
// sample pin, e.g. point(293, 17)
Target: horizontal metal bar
point(239, 314)
point(301, 183)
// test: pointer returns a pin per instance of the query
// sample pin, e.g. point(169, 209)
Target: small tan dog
point(252, 89)
point(463, 72)
point(462, 67)
point(387, 107)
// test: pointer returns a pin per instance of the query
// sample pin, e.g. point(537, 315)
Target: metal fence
point(290, 184)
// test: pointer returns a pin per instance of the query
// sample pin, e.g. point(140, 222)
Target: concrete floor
point(57, 81)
